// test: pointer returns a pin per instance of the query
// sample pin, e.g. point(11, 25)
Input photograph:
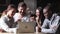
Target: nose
point(45, 14)
point(22, 10)
point(13, 13)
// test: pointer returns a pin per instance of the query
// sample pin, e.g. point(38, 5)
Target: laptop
point(26, 27)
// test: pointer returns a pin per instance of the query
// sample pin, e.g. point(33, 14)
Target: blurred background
point(31, 4)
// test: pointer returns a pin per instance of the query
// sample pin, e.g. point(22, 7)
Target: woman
point(38, 18)
point(7, 22)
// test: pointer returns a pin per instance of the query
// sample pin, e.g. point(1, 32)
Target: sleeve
point(16, 17)
point(25, 19)
point(44, 30)
point(56, 23)
point(48, 30)
point(52, 30)
point(5, 27)
point(44, 24)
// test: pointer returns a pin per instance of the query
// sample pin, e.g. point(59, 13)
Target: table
point(22, 33)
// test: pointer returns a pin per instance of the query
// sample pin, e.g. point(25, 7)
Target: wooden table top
point(21, 33)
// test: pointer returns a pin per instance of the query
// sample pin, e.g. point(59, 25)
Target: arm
point(5, 27)
point(48, 30)
point(45, 23)
point(38, 21)
point(53, 27)
point(45, 30)
point(55, 23)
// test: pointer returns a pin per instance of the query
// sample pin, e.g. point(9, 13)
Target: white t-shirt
point(17, 17)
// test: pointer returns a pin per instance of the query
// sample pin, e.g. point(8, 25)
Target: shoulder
point(3, 18)
point(56, 15)
point(16, 15)
point(46, 20)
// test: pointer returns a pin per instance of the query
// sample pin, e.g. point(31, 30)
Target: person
point(7, 21)
point(21, 15)
point(32, 18)
point(4, 13)
point(51, 21)
point(38, 19)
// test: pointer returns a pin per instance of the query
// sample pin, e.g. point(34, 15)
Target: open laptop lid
point(26, 27)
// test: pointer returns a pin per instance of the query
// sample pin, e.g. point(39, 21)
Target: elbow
point(43, 31)
point(48, 31)
point(7, 30)
point(53, 31)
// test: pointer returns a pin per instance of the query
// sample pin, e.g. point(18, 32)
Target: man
point(50, 24)
point(21, 15)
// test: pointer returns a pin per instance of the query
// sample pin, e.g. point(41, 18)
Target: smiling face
point(37, 12)
point(21, 10)
point(11, 12)
point(45, 12)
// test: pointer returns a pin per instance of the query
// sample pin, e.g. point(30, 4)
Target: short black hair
point(32, 15)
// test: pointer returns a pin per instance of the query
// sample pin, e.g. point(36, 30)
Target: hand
point(54, 27)
point(1, 30)
point(39, 26)
point(14, 30)
point(19, 18)
point(37, 19)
